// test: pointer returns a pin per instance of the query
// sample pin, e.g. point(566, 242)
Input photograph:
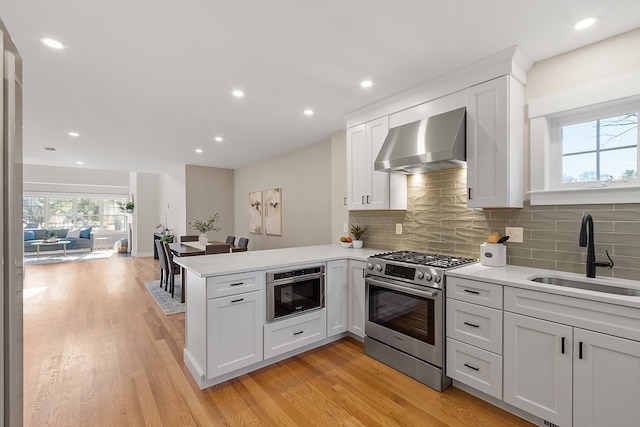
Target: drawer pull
point(472, 325)
point(237, 284)
point(298, 333)
point(471, 367)
point(469, 291)
point(237, 300)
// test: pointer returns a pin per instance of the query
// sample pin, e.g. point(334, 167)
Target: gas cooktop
point(429, 260)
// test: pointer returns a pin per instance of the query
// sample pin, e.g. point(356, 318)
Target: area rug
point(50, 258)
point(163, 298)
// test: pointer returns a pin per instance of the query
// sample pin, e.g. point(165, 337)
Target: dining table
point(188, 249)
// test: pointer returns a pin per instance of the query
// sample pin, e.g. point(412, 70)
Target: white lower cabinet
point(570, 376)
point(356, 297)
point(336, 297)
point(289, 334)
point(234, 332)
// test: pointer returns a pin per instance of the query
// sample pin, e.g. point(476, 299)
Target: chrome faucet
point(586, 240)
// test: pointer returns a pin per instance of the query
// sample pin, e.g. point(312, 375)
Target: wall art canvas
point(273, 211)
point(255, 212)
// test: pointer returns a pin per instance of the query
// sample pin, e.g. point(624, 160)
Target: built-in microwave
point(292, 292)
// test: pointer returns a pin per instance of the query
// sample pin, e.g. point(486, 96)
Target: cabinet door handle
point(298, 333)
point(562, 345)
point(469, 191)
point(237, 284)
point(472, 325)
point(469, 291)
point(368, 202)
point(345, 201)
point(580, 350)
point(362, 200)
point(471, 367)
point(237, 300)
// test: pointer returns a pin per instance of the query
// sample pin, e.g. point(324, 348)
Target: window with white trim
point(594, 146)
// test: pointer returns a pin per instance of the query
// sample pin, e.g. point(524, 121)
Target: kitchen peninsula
point(226, 328)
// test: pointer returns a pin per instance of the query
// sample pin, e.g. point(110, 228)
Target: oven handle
point(404, 289)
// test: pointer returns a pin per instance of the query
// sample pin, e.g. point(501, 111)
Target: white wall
point(305, 178)
point(339, 211)
point(144, 187)
point(53, 179)
point(210, 190)
point(172, 200)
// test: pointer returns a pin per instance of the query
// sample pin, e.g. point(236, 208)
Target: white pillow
point(75, 233)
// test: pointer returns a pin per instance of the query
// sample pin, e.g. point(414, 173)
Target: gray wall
point(209, 190)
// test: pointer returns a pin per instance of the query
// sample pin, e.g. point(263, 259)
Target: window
point(102, 214)
point(595, 147)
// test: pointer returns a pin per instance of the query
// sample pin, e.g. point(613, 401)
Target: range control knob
point(427, 276)
point(419, 275)
point(378, 267)
point(436, 278)
point(370, 266)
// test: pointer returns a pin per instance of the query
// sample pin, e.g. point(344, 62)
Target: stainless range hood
point(437, 142)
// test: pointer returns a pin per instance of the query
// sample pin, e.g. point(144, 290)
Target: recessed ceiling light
point(198, 150)
point(55, 44)
point(585, 23)
point(218, 139)
point(308, 112)
point(49, 149)
point(79, 163)
point(238, 93)
point(366, 83)
point(73, 134)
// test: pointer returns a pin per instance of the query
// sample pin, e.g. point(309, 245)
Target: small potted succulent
point(205, 226)
point(357, 232)
point(52, 237)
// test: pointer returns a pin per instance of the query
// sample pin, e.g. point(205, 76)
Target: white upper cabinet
point(495, 132)
point(366, 188)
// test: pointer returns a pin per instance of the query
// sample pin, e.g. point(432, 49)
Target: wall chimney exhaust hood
point(437, 142)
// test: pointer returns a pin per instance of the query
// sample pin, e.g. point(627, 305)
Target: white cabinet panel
point(475, 325)
point(232, 284)
point(477, 368)
point(538, 367)
point(234, 332)
point(475, 292)
point(289, 334)
point(356, 297)
point(337, 297)
point(606, 387)
point(495, 139)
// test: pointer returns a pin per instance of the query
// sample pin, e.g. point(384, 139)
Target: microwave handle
point(404, 289)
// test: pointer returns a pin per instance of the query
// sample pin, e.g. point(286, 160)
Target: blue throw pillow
point(29, 235)
point(85, 233)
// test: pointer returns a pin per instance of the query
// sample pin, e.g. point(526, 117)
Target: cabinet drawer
point(289, 334)
point(483, 293)
point(474, 324)
point(231, 284)
point(474, 367)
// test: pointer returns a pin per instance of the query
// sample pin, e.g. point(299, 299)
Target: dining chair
point(164, 269)
point(230, 240)
point(216, 249)
point(193, 238)
point(243, 243)
point(172, 268)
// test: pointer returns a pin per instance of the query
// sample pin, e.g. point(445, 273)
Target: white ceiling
point(145, 83)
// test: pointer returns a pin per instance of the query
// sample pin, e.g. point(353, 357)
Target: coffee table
point(59, 242)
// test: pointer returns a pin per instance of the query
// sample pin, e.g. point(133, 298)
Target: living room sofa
point(84, 240)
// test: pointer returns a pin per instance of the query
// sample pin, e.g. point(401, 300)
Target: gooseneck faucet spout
point(587, 240)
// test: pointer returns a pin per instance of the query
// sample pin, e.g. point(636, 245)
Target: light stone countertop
point(518, 277)
point(270, 259)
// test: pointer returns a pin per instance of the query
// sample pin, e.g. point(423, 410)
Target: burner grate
point(426, 259)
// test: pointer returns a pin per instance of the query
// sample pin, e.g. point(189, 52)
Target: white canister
point(493, 254)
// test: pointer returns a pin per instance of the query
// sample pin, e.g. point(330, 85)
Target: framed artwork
point(273, 211)
point(255, 212)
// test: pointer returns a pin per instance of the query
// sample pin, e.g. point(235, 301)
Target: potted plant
point(126, 207)
point(52, 237)
point(357, 232)
point(205, 226)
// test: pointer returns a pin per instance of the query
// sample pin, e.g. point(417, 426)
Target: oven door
point(407, 318)
point(294, 296)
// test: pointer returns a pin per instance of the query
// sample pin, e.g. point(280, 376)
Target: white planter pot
point(357, 244)
point(203, 239)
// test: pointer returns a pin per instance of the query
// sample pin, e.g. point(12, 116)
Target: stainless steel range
point(404, 325)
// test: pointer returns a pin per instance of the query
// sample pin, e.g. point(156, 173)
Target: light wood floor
point(99, 352)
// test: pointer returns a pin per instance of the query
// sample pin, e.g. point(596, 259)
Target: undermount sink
point(557, 281)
